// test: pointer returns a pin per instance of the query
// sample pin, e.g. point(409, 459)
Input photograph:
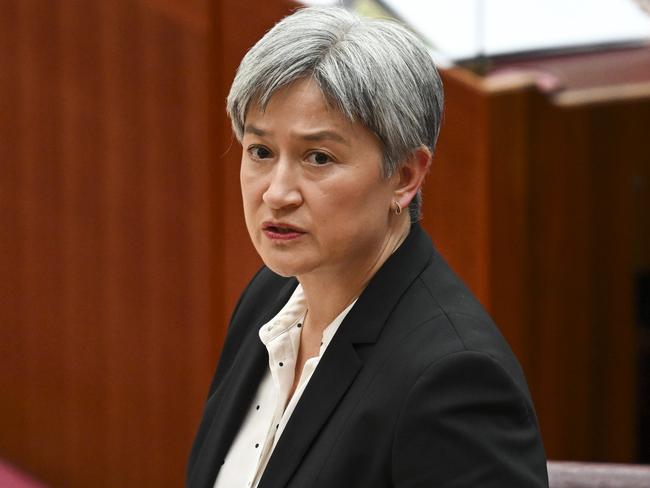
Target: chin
point(283, 260)
point(282, 267)
point(278, 269)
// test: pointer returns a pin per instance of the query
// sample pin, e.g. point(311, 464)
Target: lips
point(281, 230)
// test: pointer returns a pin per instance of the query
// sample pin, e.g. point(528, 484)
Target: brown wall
point(107, 237)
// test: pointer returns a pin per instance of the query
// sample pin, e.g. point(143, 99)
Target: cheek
point(251, 202)
point(351, 205)
point(251, 187)
point(329, 201)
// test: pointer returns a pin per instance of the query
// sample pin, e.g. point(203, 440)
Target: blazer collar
point(384, 290)
point(340, 364)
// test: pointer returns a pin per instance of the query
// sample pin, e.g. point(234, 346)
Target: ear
point(410, 176)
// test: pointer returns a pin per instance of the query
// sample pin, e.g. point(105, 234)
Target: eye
point(259, 152)
point(319, 158)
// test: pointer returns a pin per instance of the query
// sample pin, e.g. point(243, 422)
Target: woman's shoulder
point(438, 318)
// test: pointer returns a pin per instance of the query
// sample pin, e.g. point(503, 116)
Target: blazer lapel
point(231, 402)
point(233, 397)
point(340, 364)
point(324, 391)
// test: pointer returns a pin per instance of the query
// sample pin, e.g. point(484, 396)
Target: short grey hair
point(374, 71)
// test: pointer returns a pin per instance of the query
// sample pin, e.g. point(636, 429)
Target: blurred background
point(123, 246)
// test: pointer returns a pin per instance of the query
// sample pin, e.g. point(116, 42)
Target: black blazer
point(417, 389)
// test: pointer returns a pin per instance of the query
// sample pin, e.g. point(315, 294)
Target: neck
point(329, 292)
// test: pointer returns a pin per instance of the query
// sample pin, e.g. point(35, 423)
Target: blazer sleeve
point(465, 423)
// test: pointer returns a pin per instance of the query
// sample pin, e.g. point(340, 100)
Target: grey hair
point(375, 72)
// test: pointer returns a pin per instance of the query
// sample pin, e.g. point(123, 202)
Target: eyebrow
point(251, 129)
point(325, 134)
point(313, 136)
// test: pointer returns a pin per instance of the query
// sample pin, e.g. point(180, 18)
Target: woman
point(355, 357)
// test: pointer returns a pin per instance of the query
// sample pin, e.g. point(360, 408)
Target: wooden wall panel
point(561, 291)
point(455, 192)
point(107, 322)
point(12, 386)
point(583, 253)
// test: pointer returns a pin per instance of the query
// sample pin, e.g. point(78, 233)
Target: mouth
point(281, 231)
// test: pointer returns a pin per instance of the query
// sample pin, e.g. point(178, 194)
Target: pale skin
point(307, 167)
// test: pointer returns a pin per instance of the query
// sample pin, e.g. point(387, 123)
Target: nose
point(283, 187)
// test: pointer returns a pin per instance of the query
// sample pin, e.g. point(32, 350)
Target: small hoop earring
point(398, 208)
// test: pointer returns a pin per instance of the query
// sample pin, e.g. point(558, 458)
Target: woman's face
point(314, 197)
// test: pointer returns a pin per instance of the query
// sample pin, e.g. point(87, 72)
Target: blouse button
point(281, 363)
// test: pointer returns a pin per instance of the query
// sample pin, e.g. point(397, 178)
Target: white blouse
point(271, 408)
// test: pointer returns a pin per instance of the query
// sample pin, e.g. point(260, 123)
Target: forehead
point(302, 101)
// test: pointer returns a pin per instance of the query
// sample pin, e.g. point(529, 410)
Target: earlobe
point(411, 176)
